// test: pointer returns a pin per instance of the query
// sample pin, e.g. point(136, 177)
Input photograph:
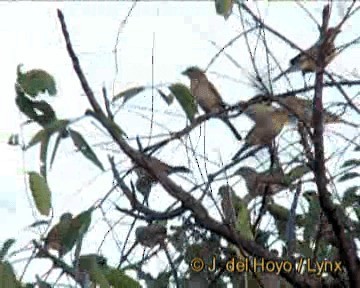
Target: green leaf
point(37, 81)
point(185, 99)
point(167, 98)
point(56, 146)
point(84, 148)
point(351, 162)
point(243, 224)
point(224, 7)
point(89, 263)
point(348, 176)
point(79, 226)
point(43, 155)
point(304, 249)
point(296, 173)
point(350, 196)
point(7, 276)
point(56, 126)
point(128, 94)
point(41, 193)
point(118, 279)
point(5, 248)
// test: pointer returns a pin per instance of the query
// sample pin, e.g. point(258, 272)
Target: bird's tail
point(232, 128)
point(291, 69)
point(332, 118)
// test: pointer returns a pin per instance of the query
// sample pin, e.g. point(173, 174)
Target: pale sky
point(31, 35)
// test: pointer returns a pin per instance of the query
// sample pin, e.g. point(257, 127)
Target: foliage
point(194, 233)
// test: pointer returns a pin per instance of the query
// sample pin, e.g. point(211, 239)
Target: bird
point(256, 182)
point(258, 112)
point(151, 235)
point(302, 109)
point(207, 96)
point(305, 61)
point(264, 132)
point(145, 181)
point(227, 193)
point(56, 237)
point(64, 235)
point(237, 216)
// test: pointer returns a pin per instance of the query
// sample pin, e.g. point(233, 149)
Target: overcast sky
point(180, 34)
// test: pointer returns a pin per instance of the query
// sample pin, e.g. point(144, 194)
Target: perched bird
point(56, 237)
point(237, 216)
point(151, 235)
point(207, 96)
point(305, 61)
point(227, 193)
point(264, 132)
point(256, 182)
point(259, 112)
point(64, 235)
point(302, 109)
point(145, 181)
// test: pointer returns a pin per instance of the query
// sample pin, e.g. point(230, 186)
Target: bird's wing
point(216, 94)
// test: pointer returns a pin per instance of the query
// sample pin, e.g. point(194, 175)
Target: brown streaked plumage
point(256, 182)
point(145, 181)
point(207, 96)
point(306, 61)
point(227, 205)
point(264, 132)
point(302, 109)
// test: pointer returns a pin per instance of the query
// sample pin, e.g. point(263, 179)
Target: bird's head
point(310, 195)
point(331, 33)
point(193, 72)
point(225, 189)
point(246, 172)
point(66, 217)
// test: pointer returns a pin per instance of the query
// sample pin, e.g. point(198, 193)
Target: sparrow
point(258, 112)
point(256, 182)
point(145, 181)
point(151, 235)
point(207, 96)
point(56, 237)
point(264, 132)
point(305, 61)
point(302, 109)
point(227, 193)
point(236, 215)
